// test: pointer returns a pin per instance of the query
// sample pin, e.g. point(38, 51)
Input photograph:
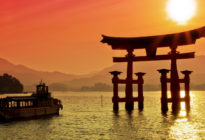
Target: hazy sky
point(64, 35)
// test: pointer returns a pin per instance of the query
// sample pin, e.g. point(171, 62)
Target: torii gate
point(150, 44)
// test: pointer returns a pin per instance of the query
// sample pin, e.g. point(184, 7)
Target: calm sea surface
point(89, 115)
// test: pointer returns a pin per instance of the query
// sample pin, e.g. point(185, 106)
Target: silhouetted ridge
point(9, 84)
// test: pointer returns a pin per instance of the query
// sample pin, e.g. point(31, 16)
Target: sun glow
point(181, 10)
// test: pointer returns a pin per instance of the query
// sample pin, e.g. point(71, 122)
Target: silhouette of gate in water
point(150, 44)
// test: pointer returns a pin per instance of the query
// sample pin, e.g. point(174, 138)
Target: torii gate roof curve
point(151, 43)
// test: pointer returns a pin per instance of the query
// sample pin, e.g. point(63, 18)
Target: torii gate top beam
point(151, 43)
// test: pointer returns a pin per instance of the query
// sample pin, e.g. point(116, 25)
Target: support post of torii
point(174, 85)
point(115, 98)
point(163, 79)
point(140, 90)
point(129, 99)
point(187, 87)
point(175, 103)
point(129, 105)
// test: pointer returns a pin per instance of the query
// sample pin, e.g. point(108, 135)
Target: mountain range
point(62, 81)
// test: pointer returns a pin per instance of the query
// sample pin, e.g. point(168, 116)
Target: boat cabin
point(41, 98)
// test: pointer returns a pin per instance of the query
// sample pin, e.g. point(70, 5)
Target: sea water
point(89, 115)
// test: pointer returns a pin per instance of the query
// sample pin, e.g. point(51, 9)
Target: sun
point(181, 10)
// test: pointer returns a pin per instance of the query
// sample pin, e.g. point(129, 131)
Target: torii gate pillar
point(129, 105)
point(175, 84)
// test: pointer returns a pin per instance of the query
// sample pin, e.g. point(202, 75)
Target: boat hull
point(23, 113)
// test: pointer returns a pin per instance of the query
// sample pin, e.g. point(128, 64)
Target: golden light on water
point(182, 94)
point(183, 112)
point(184, 128)
point(181, 10)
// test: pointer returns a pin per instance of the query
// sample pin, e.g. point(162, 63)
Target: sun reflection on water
point(183, 112)
point(183, 127)
point(182, 94)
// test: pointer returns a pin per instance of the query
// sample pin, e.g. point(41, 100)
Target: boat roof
point(17, 98)
point(167, 40)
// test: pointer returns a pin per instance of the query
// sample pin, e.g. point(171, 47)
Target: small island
point(9, 84)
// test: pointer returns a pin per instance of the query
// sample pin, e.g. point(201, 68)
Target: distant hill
point(30, 77)
point(152, 77)
point(57, 80)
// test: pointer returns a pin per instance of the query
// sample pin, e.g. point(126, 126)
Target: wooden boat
point(38, 104)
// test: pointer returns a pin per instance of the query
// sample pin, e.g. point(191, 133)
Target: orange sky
point(64, 35)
